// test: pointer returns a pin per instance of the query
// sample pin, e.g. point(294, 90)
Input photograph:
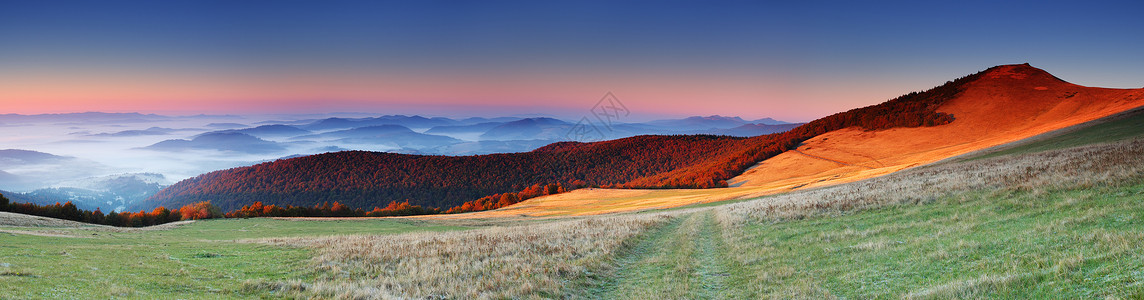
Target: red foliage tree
point(468, 183)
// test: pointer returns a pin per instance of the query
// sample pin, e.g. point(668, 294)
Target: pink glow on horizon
point(679, 95)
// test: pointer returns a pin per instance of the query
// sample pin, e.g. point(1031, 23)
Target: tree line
point(68, 211)
point(327, 209)
point(480, 182)
point(367, 179)
point(205, 210)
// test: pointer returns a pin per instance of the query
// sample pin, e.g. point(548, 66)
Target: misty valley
point(113, 161)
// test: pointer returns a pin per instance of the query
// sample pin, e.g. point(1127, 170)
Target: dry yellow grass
point(545, 259)
point(592, 201)
point(1043, 173)
point(523, 261)
point(549, 259)
point(967, 289)
point(1011, 104)
point(22, 220)
point(1065, 168)
point(15, 220)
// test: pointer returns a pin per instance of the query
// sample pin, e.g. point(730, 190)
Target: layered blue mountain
point(9, 178)
point(769, 121)
point(486, 147)
point(115, 192)
point(407, 121)
point(270, 131)
point(478, 128)
point(700, 123)
point(24, 170)
point(529, 129)
point(133, 133)
point(80, 118)
point(749, 130)
point(17, 157)
point(393, 135)
point(225, 125)
point(476, 120)
point(221, 141)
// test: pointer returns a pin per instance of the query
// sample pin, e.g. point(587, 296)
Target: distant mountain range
point(443, 162)
point(438, 135)
point(270, 131)
point(700, 123)
point(747, 130)
point(143, 132)
point(216, 142)
point(389, 135)
point(115, 192)
point(366, 179)
point(26, 169)
point(408, 121)
point(17, 157)
point(90, 117)
point(221, 141)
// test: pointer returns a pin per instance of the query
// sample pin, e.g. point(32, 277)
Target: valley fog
point(115, 159)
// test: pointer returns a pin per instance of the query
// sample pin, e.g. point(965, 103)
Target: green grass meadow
point(1077, 243)
point(1126, 127)
point(1084, 243)
point(1066, 244)
point(196, 261)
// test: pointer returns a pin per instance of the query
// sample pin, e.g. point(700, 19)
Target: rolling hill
point(365, 179)
point(528, 129)
point(1007, 103)
point(705, 123)
point(17, 157)
point(269, 131)
point(234, 142)
point(1006, 108)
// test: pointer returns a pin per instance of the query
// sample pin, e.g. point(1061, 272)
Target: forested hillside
point(366, 179)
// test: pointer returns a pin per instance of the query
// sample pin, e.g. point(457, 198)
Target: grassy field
point(1080, 243)
point(685, 259)
point(536, 260)
point(1058, 224)
point(1064, 223)
point(1059, 244)
point(194, 261)
point(1120, 128)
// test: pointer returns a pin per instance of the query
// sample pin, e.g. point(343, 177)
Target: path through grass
point(1126, 127)
point(684, 259)
point(195, 261)
point(1078, 243)
point(1084, 243)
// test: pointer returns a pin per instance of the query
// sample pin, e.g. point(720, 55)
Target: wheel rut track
point(684, 259)
point(841, 163)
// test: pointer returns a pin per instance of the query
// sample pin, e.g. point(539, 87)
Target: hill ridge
point(359, 179)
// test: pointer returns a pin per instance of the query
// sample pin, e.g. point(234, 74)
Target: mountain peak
point(1020, 72)
point(716, 118)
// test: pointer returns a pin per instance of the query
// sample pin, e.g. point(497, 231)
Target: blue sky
point(794, 60)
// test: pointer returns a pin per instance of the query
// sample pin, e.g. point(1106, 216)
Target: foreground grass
point(194, 261)
point(1056, 224)
point(547, 260)
point(1077, 243)
point(1127, 127)
point(685, 259)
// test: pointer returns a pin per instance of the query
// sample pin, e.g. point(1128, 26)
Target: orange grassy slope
point(1005, 104)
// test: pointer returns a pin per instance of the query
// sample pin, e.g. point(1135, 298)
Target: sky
point(790, 60)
